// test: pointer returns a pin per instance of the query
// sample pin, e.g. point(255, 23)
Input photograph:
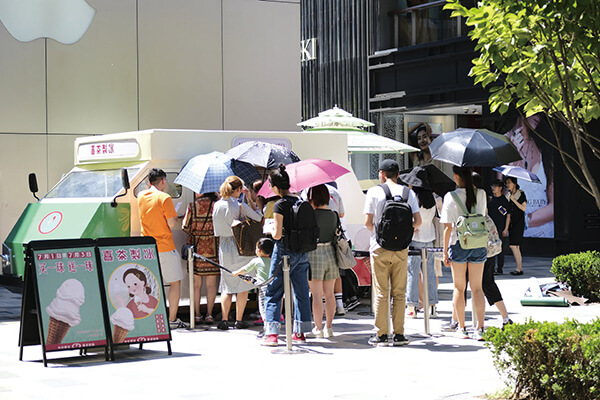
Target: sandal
point(516, 273)
point(198, 319)
point(209, 319)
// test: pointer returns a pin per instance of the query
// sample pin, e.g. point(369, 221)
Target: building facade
point(404, 64)
point(180, 64)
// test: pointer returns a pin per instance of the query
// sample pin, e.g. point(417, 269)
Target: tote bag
point(343, 250)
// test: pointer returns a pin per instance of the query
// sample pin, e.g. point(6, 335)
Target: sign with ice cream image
point(136, 306)
point(70, 300)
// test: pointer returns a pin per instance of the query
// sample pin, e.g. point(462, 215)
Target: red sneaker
point(270, 340)
point(298, 338)
point(258, 322)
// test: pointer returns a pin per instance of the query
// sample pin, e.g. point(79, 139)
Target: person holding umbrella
point(463, 260)
point(225, 211)
point(422, 238)
point(279, 181)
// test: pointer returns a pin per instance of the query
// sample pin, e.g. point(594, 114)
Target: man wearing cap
point(389, 266)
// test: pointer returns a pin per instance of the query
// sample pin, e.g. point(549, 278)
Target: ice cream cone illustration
point(64, 310)
point(122, 321)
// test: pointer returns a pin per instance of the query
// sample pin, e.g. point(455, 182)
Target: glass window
point(172, 189)
point(90, 184)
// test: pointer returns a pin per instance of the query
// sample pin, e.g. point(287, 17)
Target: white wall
point(185, 64)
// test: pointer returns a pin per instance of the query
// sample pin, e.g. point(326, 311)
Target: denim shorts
point(461, 256)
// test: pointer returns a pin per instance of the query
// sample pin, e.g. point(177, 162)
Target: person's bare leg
point(211, 293)
point(225, 305)
point(328, 292)
point(174, 292)
point(516, 250)
point(458, 295)
point(240, 305)
point(316, 288)
point(501, 308)
point(475, 281)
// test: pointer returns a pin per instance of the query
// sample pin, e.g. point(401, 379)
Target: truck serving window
point(81, 183)
point(172, 189)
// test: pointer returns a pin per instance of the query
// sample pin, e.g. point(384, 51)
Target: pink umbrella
point(307, 173)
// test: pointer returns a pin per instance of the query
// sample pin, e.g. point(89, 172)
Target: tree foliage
point(543, 56)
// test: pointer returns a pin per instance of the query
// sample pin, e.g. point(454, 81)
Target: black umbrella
point(427, 177)
point(263, 154)
point(474, 148)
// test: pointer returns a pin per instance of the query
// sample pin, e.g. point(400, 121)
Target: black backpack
point(303, 234)
point(394, 230)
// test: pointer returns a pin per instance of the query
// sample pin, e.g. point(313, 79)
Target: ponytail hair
point(465, 175)
point(280, 178)
point(231, 184)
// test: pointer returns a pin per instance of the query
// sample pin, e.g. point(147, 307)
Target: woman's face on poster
point(423, 139)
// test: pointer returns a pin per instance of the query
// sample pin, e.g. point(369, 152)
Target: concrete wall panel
point(261, 65)
point(92, 84)
point(22, 91)
point(180, 64)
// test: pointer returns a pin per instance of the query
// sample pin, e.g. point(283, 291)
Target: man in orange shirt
point(157, 217)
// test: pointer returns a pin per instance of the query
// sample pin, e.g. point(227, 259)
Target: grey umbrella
point(474, 148)
point(263, 154)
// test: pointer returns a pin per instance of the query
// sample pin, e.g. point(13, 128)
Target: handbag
point(343, 251)
point(246, 233)
point(494, 245)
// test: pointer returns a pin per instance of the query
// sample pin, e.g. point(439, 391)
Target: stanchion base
point(286, 351)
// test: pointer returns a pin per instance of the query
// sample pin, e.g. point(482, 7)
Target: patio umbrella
point(428, 177)
point(474, 148)
point(263, 154)
point(335, 117)
point(363, 142)
point(205, 173)
point(307, 173)
point(518, 172)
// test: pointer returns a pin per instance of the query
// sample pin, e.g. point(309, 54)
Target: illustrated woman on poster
point(539, 217)
point(142, 303)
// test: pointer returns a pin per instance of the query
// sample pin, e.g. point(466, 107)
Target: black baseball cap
point(389, 165)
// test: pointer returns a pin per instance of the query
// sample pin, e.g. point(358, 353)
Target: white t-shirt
point(374, 205)
point(451, 210)
point(426, 232)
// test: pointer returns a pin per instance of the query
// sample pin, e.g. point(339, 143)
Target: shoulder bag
point(343, 250)
point(246, 233)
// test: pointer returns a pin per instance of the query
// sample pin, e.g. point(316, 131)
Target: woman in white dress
point(225, 212)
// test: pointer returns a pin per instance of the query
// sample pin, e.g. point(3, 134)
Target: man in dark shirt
point(498, 207)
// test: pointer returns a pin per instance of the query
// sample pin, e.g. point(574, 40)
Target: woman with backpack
point(460, 255)
point(298, 263)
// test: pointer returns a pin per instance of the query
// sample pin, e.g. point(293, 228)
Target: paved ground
point(215, 364)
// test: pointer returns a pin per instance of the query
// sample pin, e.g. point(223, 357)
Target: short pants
point(459, 255)
point(170, 265)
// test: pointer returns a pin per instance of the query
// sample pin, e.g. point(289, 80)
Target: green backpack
point(471, 227)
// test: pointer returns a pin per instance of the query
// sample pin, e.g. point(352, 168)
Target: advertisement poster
point(136, 305)
point(69, 296)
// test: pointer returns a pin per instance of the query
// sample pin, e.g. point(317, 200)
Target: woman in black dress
point(518, 204)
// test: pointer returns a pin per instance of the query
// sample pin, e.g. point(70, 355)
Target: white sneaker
point(329, 332)
point(462, 333)
point(340, 310)
point(317, 332)
point(478, 335)
point(433, 313)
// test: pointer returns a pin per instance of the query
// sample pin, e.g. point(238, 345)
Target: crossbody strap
point(461, 204)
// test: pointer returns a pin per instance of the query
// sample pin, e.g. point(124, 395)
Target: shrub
point(581, 271)
point(548, 360)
